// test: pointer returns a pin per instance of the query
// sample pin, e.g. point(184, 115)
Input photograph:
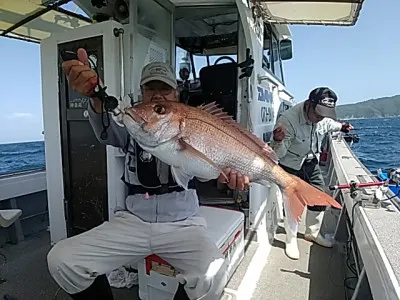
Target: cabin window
point(200, 61)
point(277, 66)
point(267, 55)
point(182, 59)
point(284, 106)
point(271, 58)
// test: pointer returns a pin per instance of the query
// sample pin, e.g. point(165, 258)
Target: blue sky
point(359, 63)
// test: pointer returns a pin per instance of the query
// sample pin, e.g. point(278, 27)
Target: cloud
point(19, 115)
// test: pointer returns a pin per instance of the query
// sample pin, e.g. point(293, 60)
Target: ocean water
point(379, 147)
point(19, 157)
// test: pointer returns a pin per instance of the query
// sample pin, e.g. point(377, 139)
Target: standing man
point(160, 217)
point(297, 139)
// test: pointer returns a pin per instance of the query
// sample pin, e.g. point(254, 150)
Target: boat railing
point(368, 222)
point(25, 190)
point(21, 172)
point(22, 183)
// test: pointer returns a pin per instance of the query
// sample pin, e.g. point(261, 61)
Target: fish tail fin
point(299, 194)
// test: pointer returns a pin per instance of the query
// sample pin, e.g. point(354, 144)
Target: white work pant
point(125, 239)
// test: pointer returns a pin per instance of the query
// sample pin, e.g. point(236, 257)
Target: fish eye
point(158, 108)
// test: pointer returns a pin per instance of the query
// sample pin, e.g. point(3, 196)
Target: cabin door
point(88, 198)
point(83, 156)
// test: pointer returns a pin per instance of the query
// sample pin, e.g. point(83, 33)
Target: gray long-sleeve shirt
point(168, 207)
point(301, 136)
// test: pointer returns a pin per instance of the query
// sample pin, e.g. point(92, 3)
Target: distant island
point(375, 108)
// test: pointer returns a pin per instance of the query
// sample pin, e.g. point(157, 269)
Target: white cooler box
point(157, 278)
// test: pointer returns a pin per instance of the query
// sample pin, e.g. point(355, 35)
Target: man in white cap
point(160, 217)
point(297, 140)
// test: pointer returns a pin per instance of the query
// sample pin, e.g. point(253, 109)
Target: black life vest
point(146, 173)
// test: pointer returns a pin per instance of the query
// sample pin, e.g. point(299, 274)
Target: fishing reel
point(110, 103)
point(394, 176)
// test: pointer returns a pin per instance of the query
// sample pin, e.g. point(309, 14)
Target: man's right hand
point(82, 78)
point(79, 74)
point(279, 133)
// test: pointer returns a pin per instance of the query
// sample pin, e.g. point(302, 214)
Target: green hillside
point(374, 108)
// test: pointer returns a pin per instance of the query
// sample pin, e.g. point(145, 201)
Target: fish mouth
point(134, 116)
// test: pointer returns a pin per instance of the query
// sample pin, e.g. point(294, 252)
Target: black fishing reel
point(351, 138)
point(394, 176)
point(110, 103)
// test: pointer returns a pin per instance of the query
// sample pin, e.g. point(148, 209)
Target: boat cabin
point(232, 52)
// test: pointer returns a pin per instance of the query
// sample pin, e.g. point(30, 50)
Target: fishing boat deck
point(317, 275)
point(266, 272)
point(27, 275)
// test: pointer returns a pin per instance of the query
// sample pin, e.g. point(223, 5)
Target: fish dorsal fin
point(213, 109)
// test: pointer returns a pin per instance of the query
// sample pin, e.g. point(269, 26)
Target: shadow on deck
point(27, 277)
point(317, 275)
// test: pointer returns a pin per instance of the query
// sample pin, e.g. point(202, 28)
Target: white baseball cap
point(159, 71)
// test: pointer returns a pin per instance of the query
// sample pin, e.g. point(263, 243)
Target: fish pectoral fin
point(181, 177)
point(186, 147)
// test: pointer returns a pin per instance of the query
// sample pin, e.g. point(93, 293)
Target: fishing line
point(348, 251)
point(350, 266)
point(394, 196)
point(349, 247)
point(56, 293)
point(329, 273)
point(103, 134)
point(4, 257)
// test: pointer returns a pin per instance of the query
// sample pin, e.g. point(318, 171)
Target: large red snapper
point(201, 141)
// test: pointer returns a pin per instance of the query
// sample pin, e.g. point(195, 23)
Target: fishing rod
point(393, 179)
point(356, 185)
point(109, 103)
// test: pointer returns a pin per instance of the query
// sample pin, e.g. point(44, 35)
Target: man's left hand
point(236, 180)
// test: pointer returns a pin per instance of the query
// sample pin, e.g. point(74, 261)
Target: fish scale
point(202, 141)
point(228, 148)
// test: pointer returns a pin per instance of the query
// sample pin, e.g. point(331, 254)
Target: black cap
point(325, 100)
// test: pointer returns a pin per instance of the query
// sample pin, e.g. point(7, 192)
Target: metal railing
point(21, 172)
point(361, 221)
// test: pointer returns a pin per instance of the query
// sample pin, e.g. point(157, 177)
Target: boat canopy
point(35, 20)
point(316, 12)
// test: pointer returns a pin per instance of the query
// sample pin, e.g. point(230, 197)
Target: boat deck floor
point(27, 276)
point(318, 275)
